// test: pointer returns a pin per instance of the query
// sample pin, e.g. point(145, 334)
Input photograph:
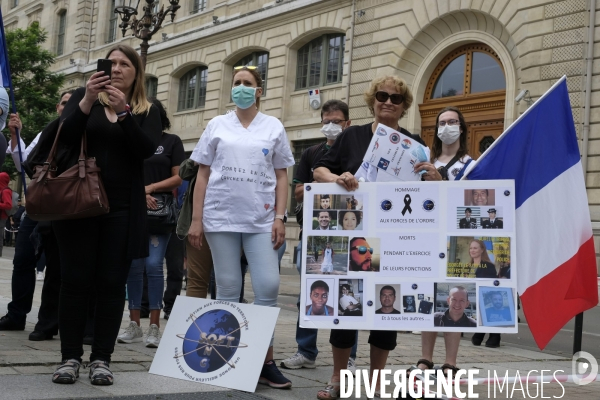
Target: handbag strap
point(51, 163)
point(443, 170)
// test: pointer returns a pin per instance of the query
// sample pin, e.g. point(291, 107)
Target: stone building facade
point(338, 47)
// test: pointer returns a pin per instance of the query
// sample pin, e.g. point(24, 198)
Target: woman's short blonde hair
point(401, 87)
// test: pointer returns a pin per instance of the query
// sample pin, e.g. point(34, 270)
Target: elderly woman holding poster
point(388, 98)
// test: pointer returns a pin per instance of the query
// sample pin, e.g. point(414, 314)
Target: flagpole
point(12, 100)
point(578, 334)
point(474, 164)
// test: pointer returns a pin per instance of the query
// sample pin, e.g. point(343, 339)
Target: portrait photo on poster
point(364, 254)
point(468, 217)
point(497, 306)
point(338, 202)
point(322, 202)
point(480, 197)
point(388, 298)
point(478, 257)
point(409, 304)
point(327, 255)
point(324, 220)
point(350, 220)
point(351, 296)
point(494, 218)
point(320, 298)
point(455, 304)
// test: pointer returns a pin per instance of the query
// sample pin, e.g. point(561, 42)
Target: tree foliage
point(36, 88)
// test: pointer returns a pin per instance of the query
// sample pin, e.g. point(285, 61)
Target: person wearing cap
point(492, 223)
point(467, 222)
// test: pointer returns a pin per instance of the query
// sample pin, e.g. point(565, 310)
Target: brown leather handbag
point(76, 193)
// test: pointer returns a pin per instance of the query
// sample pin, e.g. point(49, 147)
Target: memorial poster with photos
point(431, 256)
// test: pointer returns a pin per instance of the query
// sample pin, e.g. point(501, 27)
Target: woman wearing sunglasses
point(388, 98)
point(240, 198)
point(449, 160)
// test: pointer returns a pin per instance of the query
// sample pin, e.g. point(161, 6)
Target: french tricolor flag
point(557, 276)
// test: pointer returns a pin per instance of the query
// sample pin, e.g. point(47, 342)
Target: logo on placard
point(386, 205)
point(383, 164)
point(406, 144)
point(381, 132)
point(428, 205)
point(395, 138)
point(211, 341)
point(376, 145)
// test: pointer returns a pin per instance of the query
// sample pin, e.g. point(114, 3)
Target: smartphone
point(104, 65)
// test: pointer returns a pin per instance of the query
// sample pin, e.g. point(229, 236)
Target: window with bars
point(320, 62)
point(261, 61)
point(112, 23)
point(198, 6)
point(299, 147)
point(60, 39)
point(192, 89)
point(151, 86)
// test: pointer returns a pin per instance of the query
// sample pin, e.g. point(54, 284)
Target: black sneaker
point(477, 338)
point(270, 375)
point(38, 336)
point(7, 324)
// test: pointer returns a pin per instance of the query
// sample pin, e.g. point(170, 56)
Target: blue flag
point(4, 66)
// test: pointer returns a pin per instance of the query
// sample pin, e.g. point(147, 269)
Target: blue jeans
point(153, 265)
point(262, 262)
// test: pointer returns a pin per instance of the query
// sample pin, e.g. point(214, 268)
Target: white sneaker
point(297, 361)
point(153, 336)
point(351, 365)
point(133, 333)
point(40, 276)
point(416, 332)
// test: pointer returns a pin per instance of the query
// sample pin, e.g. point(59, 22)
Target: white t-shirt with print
point(240, 196)
point(455, 168)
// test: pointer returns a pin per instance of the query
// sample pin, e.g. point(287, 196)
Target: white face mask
point(331, 130)
point(449, 134)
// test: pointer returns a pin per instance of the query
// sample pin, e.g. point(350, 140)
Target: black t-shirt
point(310, 156)
point(169, 154)
point(348, 151)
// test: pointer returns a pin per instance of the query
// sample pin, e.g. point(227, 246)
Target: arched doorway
point(471, 78)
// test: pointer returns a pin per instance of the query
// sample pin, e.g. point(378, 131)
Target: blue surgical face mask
point(243, 96)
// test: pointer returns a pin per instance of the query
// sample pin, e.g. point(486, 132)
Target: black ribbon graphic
point(406, 208)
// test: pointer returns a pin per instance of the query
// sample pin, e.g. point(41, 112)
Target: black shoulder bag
point(444, 169)
point(163, 219)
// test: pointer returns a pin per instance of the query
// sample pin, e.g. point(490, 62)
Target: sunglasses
point(362, 249)
point(384, 96)
point(252, 67)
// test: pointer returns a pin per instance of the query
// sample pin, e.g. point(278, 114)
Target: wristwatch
point(281, 217)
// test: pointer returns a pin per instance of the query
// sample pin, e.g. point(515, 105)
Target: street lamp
point(148, 25)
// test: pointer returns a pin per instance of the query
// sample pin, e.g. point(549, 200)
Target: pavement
point(26, 366)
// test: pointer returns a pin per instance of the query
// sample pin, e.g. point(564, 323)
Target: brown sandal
point(450, 367)
point(425, 362)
